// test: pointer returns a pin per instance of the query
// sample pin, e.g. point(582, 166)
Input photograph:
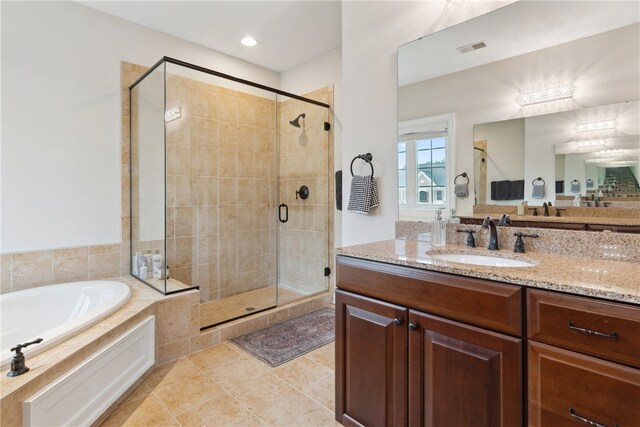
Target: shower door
point(304, 199)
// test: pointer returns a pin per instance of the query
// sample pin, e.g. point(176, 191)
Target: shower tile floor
point(224, 309)
point(226, 386)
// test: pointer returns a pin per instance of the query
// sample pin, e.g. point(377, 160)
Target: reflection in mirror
point(596, 155)
point(526, 83)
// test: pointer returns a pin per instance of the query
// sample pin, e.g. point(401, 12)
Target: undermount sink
point(486, 260)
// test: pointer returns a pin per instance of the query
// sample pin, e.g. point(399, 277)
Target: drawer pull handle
point(612, 335)
point(413, 326)
point(572, 412)
point(397, 321)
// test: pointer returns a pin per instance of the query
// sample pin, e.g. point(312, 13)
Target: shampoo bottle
point(134, 264)
point(439, 230)
point(144, 271)
point(157, 264)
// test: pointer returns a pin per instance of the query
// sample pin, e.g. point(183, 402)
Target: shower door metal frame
point(163, 61)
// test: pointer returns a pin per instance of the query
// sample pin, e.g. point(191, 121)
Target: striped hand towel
point(364, 194)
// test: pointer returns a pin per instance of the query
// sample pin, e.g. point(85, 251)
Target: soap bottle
point(157, 264)
point(144, 271)
point(135, 264)
point(577, 201)
point(439, 230)
point(453, 219)
point(521, 210)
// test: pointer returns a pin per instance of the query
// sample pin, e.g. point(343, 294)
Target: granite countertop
point(612, 280)
point(563, 219)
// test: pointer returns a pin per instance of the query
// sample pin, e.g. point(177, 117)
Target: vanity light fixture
point(554, 93)
point(590, 143)
point(172, 114)
point(596, 126)
point(249, 41)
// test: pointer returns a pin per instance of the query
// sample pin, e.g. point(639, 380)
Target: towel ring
point(366, 157)
point(576, 181)
point(463, 174)
point(538, 179)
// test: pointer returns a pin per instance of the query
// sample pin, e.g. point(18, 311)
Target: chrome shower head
point(296, 122)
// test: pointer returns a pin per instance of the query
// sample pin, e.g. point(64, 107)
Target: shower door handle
point(286, 213)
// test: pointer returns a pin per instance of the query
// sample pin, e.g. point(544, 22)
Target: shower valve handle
point(303, 192)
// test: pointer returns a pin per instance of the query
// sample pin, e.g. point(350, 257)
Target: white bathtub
point(55, 313)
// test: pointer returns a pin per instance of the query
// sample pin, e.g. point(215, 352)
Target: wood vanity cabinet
point(422, 348)
point(397, 365)
point(583, 356)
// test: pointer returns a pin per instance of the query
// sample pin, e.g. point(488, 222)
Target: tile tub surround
point(586, 244)
point(612, 280)
point(24, 270)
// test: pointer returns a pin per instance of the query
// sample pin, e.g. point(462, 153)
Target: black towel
point(516, 190)
point(500, 190)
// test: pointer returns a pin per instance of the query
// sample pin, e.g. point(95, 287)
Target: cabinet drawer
point(478, 302)
point(567, 388)
point(603, 329)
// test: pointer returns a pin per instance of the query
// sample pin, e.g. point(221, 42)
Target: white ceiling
point(288, 32)
point(516, 29)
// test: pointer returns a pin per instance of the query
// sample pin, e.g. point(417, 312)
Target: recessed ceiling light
point(249, 41)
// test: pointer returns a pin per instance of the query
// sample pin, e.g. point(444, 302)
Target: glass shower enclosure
point(230, 190)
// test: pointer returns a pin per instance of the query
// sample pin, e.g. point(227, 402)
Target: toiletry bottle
point(438, 230)
point(453, 219)
point(521, 208)
point(157, 264)
point(144, 271)
point(135, 264)
point(577, 201)
point(149, 259)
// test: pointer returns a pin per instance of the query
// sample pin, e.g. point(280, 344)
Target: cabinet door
point(371, 362)
point(570, 389)
point(460, 375)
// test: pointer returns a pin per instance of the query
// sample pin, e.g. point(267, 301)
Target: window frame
point(413, 209)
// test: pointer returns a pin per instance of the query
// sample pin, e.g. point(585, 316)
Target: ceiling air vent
point(471, 47)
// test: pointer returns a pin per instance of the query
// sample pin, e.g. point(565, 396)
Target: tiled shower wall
point(305, 158)
point(220, 188)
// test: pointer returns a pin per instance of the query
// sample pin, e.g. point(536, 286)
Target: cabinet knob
point(397, 321)
point(413, 326)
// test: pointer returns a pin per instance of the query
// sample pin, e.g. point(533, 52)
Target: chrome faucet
point(493, 237)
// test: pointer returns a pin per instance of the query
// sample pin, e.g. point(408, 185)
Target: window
point(402, 174)
point(425, 165)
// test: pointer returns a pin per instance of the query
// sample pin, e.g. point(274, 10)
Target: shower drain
point(249, 308)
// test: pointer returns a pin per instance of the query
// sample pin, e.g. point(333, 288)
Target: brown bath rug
point(285, 341)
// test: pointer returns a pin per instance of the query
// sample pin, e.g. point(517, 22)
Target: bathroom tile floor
point(226, 386)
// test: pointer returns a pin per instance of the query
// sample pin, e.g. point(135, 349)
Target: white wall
point(323, 70)
point(371, 34)
point(61, 123)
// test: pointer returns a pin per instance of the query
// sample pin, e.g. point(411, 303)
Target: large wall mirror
point(542, 105)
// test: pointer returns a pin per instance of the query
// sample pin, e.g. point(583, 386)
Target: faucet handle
point(519, 246)
point(504, 220)
point(558, 211)
point(18, 366)
point(471, 241)
point(535, 211)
